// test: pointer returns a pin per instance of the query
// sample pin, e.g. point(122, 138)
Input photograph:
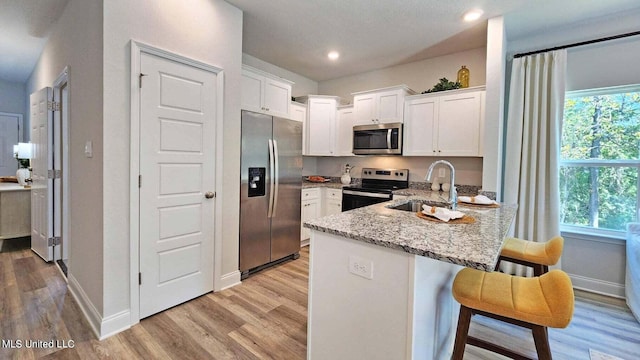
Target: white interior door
point(41, 162)
point(9, 136)
point(177, 165)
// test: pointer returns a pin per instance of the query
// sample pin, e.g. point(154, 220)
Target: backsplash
point(468, 170)
point(421, 185)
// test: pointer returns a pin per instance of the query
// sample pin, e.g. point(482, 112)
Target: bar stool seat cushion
point(546, 300)
point(546, 253)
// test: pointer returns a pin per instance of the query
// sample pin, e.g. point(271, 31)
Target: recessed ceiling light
point(333, 55)
point(472, 15)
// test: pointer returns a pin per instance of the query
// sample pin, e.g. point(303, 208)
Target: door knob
point(209, 195)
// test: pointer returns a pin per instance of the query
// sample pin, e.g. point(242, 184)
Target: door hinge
point(54, 174)
point(140, 79)
point(139, 181)
point(53, 106)
point(56, 240)
point(139, 278)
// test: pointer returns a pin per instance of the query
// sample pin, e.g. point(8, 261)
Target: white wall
point(13, 99)
point(206, 30)
point(594, 263)
point(494, 106)
point(598, 65)
point(419, 75)
point(76, 41)
point(302, 86)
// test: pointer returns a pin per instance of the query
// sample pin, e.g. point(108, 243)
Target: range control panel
point(386, 174)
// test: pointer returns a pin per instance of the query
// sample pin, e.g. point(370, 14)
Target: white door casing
point(177, 168)
point(41, 162)
point(60, 135)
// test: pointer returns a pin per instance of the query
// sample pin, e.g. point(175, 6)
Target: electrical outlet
point(361, 267)
point(441, 172)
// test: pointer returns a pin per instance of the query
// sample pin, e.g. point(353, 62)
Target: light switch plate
point(88, 149)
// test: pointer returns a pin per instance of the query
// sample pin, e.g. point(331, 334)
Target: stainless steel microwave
point(378, 139)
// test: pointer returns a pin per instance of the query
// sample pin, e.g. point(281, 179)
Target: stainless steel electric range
point(377, 186)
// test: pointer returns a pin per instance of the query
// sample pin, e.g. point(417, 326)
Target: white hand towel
point(478, 199)
point(441, 213)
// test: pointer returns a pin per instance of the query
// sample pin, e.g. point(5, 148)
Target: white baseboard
point(115, 323)
point(229, 280)
point(86, 306)
point(102, 327)
point(598, 286)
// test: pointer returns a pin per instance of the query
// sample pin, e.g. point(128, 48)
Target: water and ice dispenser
point(257, 184)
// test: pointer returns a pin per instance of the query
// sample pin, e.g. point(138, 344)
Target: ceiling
point(24, 30)
point(296, 35)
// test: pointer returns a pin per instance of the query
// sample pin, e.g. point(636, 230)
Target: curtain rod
point(579, 44)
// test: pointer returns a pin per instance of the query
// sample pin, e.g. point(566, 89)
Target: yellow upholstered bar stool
point(537, 255)
point(531, 302)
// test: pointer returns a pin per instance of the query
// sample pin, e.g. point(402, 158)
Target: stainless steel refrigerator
point(270, 190)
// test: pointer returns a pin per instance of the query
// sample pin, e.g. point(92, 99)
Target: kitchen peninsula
point(380, 279)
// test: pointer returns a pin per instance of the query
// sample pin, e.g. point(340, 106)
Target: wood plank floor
point(264, 318)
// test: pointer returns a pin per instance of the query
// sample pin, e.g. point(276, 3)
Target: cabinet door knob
point(209, 195)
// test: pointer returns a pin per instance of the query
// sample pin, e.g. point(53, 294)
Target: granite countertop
point(331, 185)
point(472, 245)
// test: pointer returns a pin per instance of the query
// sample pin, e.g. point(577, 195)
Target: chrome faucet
point(453, 194)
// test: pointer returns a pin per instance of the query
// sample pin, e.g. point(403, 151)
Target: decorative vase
point(463, 77)
point(22, 175)
point(345, 178)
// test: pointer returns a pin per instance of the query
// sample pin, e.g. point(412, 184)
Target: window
point(600, 159)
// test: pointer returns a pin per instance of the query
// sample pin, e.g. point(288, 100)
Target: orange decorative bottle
point(463, 77)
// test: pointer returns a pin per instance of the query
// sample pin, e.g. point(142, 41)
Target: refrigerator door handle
point(276, 178)
point(271, 178)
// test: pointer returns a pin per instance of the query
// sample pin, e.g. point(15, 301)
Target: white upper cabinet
point(321, 125)
point(380, 106)
point(445, 124)
point(265, 93)
point(344, 131)
point(298, 112)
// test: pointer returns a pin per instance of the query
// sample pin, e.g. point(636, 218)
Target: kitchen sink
point(416, 205)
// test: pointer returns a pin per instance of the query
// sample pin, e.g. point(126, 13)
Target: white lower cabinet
point(332, 201)
point(310, 209)
point(318, 202)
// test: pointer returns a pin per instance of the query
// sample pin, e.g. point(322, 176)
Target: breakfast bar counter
point(474, 245)
point(380, 278)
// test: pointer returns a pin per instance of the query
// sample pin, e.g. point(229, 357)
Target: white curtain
point(532, 150)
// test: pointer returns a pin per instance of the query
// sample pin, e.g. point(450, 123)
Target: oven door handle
point(367, 194)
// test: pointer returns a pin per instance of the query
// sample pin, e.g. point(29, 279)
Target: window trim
point(593, 232)
point(602, 91)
